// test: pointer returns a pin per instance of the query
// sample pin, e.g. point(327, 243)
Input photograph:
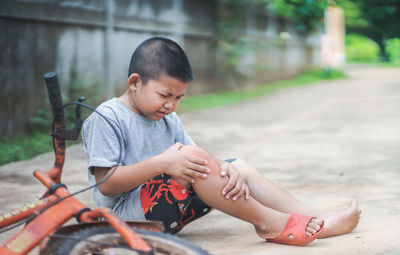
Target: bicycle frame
point(55, 207)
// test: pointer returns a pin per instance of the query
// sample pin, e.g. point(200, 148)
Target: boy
point(162, 175)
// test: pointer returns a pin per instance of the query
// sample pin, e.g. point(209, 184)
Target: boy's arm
point(126, 178)
point(171, 162)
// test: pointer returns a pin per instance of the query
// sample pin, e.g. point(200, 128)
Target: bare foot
point(279, 224)
point(341, 222)
point(313, 226)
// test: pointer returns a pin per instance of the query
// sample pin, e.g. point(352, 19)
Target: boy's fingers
point(247, 193)
point(224, 170)
point(197, 160)
point(176, 146)
point(241, 193)
point(228, 187)
point(188, 178)
point(237, 191)
point(198, 168)
point(195, 174)
point(244, 191)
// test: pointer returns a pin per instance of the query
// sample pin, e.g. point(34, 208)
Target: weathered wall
point(81, 42)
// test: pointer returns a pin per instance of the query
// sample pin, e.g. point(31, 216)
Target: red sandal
point(296, 226)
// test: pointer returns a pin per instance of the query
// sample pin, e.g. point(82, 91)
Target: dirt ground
point(326, 144)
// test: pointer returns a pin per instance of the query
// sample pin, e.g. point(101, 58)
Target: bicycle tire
point(94, 240)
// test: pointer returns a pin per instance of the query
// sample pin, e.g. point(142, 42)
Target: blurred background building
point(89, 43)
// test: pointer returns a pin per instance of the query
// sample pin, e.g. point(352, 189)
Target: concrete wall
point(80, 41)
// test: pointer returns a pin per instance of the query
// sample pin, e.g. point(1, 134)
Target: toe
point(314, 226)
point(311, 230)
point(353, 204)
point(317, 221)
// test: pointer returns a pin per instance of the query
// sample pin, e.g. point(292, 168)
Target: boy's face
point(157, 98)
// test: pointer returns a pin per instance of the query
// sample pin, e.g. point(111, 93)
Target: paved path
point(325, 143)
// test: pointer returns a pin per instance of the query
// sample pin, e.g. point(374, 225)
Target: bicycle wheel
point(105, 240)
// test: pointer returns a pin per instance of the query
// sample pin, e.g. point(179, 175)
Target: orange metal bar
point(56, 172)
point(43, 178)
point(17, 215)
point(44, 224)
point(132, 238)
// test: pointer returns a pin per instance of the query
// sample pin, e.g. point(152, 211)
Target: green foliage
point(307, 15)
point(224, 98)
point(42, 120)
point(361, 49)
point(234, 50)
point(92, 92)
point(232, 42)
point(376, 19)
point(327, 73)
point(38, 139)
point(383, 17)
point(393, 49)
point(24, 147)
point(386, 64)
point(352, 14)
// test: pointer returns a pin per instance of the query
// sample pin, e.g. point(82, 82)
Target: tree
point(378, 20)
point(307, 15)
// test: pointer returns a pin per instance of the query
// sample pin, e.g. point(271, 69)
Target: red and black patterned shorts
point(163, 199)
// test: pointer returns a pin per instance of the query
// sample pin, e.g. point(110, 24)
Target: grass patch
point(24, 147)
point(224, 98)
point(377, 63)
point(386, 64)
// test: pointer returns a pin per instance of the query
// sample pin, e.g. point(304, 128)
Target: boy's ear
point(134, 81)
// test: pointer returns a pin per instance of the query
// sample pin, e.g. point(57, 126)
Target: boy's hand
point(183, 166)
point(236, 186)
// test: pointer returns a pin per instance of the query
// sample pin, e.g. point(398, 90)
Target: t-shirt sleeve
point(103, 141)
point(180, 133)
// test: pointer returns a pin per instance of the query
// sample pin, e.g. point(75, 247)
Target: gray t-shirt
point(126, 139)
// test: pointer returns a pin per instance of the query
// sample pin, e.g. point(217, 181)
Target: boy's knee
point(212, 163)
point(241, 163)
point(194, 150)
point(244, 167)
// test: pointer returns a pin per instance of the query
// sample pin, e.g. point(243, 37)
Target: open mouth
point(161, 113)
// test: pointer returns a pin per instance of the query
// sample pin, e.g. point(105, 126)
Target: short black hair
point(158, 55)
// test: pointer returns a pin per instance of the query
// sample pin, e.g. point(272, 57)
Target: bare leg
point(268, 222)
point(268, 194)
